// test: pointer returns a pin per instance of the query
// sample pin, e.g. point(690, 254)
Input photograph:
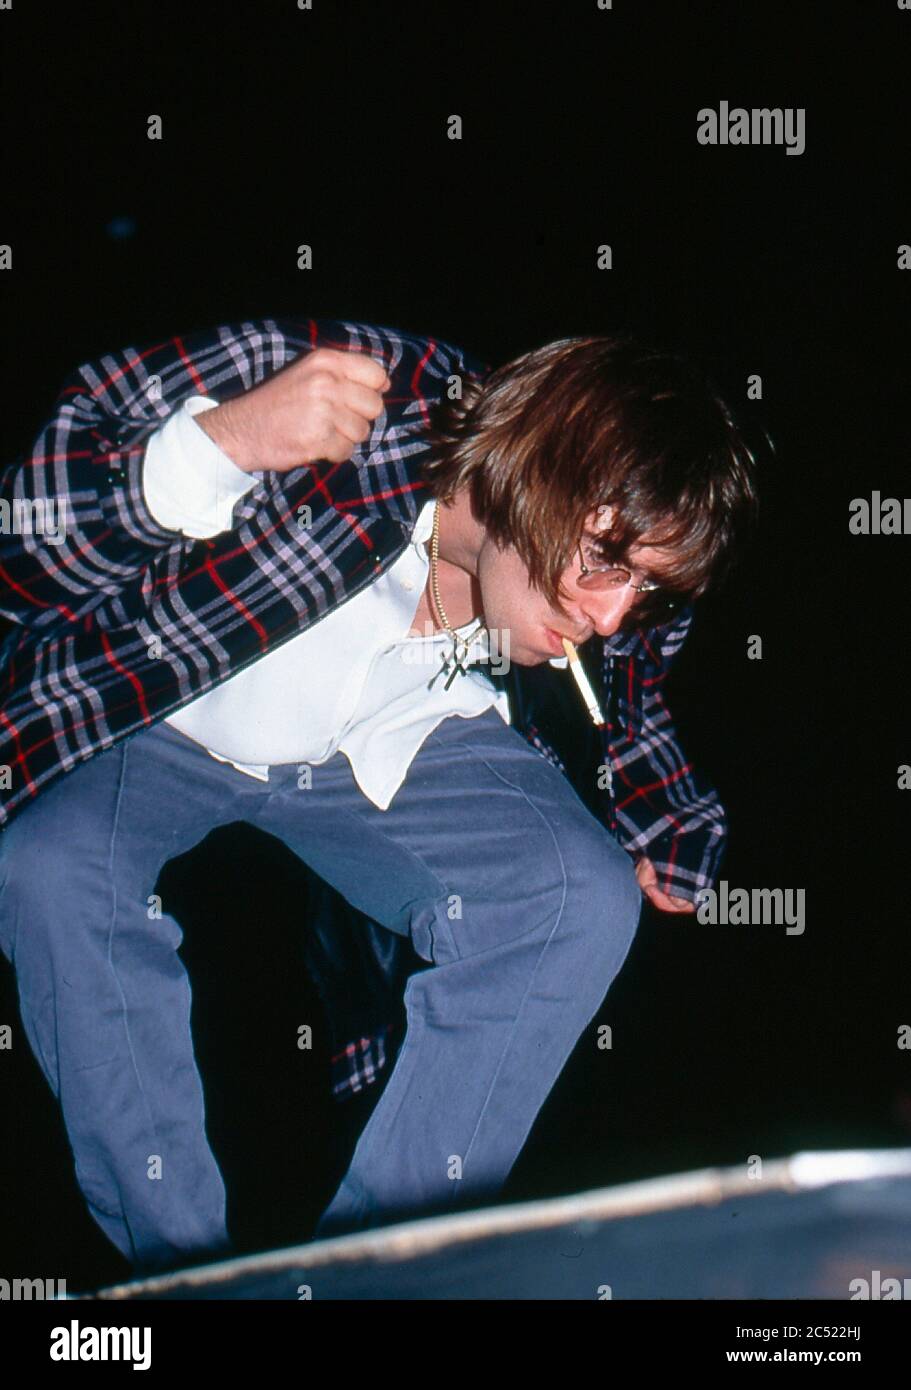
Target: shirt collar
point(424, 525)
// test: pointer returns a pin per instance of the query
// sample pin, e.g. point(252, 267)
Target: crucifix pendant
point(457, 667)
point(461, 647)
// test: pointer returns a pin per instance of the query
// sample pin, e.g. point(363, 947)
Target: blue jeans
point(520, 900)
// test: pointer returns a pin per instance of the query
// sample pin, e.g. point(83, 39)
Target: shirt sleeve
point(660, 805)
point(189, 483)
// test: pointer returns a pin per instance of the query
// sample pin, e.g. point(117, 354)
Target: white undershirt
point(354, 682)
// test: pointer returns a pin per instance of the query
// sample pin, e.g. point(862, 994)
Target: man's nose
point(606, 608)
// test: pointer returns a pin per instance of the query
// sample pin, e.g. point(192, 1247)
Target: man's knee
point(604, 900)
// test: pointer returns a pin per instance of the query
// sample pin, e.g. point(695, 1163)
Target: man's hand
point(648, 882)
point(318, 407)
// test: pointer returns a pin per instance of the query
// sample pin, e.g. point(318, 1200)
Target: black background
point(328, 127)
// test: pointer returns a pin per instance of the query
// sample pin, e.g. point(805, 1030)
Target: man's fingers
point(355, 366)
point(362, 400)
point(367, 371)
point(665, 903)
point(351, 425)
point(648, 882)
point(645, 872)
point(356, 410)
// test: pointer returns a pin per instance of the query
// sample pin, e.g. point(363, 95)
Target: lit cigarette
point(582, 681)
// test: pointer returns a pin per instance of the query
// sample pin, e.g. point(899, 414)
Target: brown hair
point(587, 422)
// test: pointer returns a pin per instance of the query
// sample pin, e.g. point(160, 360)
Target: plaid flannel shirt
point(123, 621)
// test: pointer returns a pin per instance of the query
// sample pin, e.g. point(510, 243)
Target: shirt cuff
point(189, 483)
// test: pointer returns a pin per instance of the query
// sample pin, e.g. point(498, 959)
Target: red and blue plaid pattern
point(125, 621)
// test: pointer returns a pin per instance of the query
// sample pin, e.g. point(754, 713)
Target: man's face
point(535, 626)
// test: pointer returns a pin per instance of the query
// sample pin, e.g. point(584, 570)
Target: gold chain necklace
point(460, 645)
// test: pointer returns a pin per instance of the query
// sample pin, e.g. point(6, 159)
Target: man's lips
point(555, 641)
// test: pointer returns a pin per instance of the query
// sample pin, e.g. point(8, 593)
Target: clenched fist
point(318, 407)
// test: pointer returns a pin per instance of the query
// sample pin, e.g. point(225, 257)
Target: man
point(287, 548)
